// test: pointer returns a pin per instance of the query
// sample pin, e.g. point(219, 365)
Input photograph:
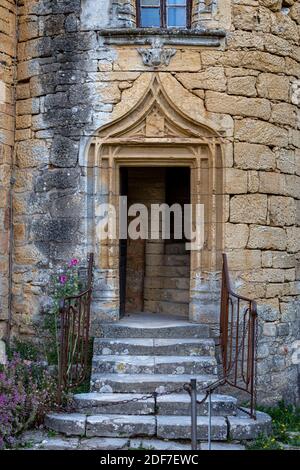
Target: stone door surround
point(156, 133)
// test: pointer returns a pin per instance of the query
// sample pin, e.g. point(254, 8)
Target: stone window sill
point(171, 36)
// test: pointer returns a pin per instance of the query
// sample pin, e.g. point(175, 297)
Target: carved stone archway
point(156, 133)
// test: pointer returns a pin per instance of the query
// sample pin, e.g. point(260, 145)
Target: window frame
point(163, 15)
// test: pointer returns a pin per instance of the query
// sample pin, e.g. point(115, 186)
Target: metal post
point(209, 420)
point(194, 413)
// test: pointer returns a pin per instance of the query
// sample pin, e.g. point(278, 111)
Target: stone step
point(242, 427)
point(177, 260)
point(70, 424)
point(40, 440)
point(95, 403)
point(166, 427)
point(169, 295)
point(117, 443)
point(175, 365)
point(174, 404)
point(120, 425)
point(151, 282)
point(180, 404)
point(166, 307)
point(146, 383)
point(238, 428)
point(175, 249)
point(177, 330)
point(179, 427)
point(168, 260)
point(167, 271)
point(155, 346)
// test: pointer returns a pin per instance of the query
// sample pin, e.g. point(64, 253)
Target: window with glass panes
point(163, 13)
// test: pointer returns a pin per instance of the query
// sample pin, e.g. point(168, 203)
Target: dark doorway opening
point(155, 272)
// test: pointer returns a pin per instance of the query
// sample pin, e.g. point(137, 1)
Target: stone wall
point(7, 127)
point(71, 82)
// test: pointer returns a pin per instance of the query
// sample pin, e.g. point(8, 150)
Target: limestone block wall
point(7, 127)
point(70, 83)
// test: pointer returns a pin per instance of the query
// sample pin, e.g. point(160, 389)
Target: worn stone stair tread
point(103, 403)
point(154, 364)
point(185, 398)
point(179, 259)
point(109, 425)
point(158, 444)
point(120, 425)
point(175, 248)
point(104, 443)
point(178, 296)
point(221, 446)
point(242, 427)
point(155, 329)
point(58, 443)
point(179, 427)
point(117, 443)
point(179, 283)
point(145, 383)
point(156, 346)
point(40, 440)
point(173, 404)
point(70, 424)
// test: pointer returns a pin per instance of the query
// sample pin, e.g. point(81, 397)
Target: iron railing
point(238, 339)
point(74, 324)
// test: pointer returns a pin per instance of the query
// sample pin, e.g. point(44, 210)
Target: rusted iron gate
point(74, 336)
point(238, 339)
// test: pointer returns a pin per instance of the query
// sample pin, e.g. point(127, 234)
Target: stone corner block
point(70, 424)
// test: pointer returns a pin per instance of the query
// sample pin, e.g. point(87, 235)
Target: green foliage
point(285, 419)
point(50, 343)
point(263, 442)
point(65, 283)
point(26, 350)
point(85, 386)
point(285, 428)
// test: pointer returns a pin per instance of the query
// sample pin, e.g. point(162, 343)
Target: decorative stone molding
point(153, 133)
point(156, 55)
point(172, 36)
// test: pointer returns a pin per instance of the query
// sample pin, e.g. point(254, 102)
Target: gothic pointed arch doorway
point(155, 138)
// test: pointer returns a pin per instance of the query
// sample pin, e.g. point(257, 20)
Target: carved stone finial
point(156, 55)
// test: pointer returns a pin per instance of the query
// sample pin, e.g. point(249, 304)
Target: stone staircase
point(131, 362)
point(166, 283)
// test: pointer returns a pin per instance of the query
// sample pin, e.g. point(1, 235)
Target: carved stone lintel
point(156, 55)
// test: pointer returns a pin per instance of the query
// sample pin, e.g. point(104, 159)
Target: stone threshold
point(171, 36)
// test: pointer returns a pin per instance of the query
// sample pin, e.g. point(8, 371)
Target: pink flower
point(63, 279)
point(74, 262)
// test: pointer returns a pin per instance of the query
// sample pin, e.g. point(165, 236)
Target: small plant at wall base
point(27, 393)
point(285, 428)
point(65, 283)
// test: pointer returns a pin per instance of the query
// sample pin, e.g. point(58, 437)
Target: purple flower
point(27, 392)
point(74, 262)
point(63, 279)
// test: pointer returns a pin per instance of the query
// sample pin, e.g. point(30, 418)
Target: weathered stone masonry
point(7, 138)
point(73, 78)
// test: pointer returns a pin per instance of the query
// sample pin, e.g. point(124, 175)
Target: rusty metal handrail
point(238, 339)
point(74, 336)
